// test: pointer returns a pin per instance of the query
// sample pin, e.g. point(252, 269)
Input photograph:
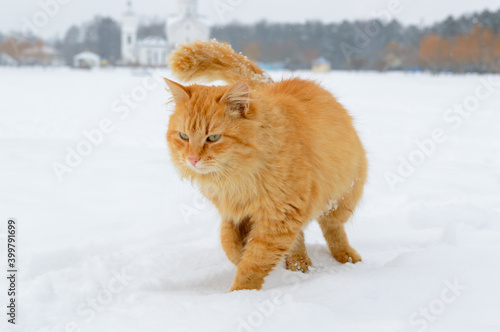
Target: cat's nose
point(194, 160)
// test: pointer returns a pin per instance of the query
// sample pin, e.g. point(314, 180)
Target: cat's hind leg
point(332, 225)
point(336, 238)
point(297, 259)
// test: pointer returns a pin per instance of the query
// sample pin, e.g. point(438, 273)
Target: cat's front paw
point(347, 255)
point(248, 285)
point(297, 263)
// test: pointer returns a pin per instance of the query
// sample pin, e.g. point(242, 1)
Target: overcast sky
point(15, 13)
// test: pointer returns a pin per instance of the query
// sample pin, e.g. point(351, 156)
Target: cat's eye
point(213, 138)
point(184, 136)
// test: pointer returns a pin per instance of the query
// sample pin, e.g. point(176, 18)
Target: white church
point(153, 51)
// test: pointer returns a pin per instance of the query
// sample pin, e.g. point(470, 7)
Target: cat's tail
point(211, 61)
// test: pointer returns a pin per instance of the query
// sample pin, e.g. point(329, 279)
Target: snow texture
point(121, 244)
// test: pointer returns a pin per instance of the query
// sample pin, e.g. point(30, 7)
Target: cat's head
point(212, 129)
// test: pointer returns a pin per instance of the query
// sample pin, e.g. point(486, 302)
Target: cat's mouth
point(199, 168)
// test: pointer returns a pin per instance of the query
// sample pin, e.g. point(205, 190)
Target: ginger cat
point(271, 156)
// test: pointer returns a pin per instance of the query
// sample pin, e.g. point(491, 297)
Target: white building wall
point(187, 30)
point(187, 8)
point(186, 27)
point(152, 56)
point(129, 39)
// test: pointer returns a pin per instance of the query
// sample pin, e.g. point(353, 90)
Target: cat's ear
point(237, 99)
point(179, 92)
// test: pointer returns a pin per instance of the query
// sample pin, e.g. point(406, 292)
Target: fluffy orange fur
point(287, 154)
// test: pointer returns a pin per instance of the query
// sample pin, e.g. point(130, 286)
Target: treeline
point(102, 36)
point(476, 50)
point(467, 43)
point(470, 43)
point(356, 45)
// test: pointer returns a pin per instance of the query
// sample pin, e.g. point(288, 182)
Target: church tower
point(187, 26)
point(129, 36)
point(188, 8)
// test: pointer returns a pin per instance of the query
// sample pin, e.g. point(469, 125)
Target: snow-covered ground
point(114, 241)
